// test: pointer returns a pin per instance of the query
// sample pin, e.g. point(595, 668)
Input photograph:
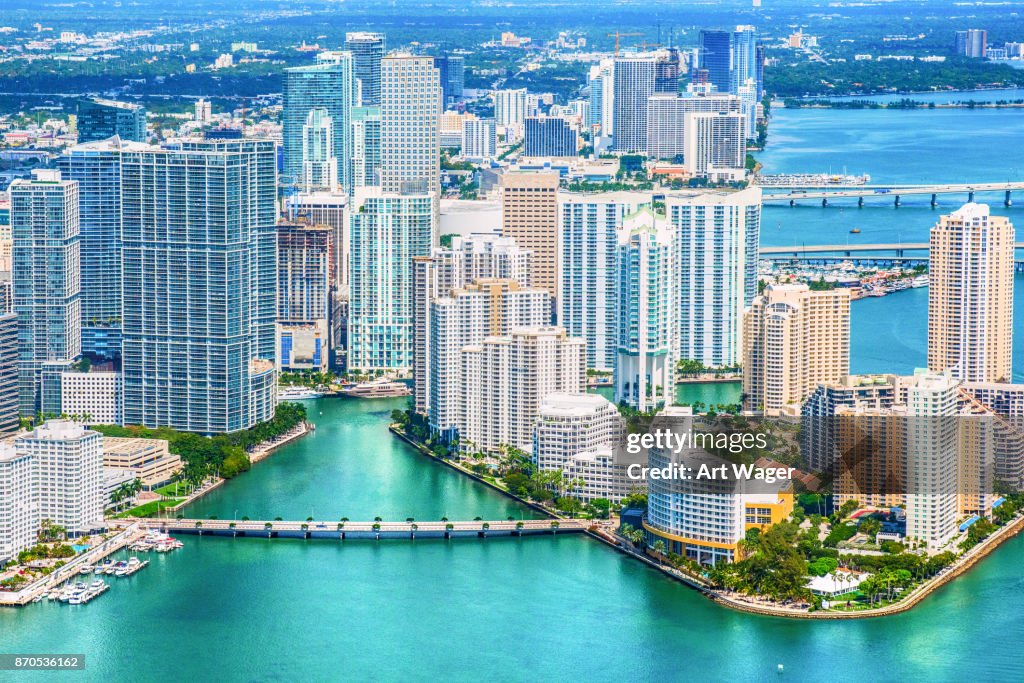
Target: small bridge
point(864, 254)
point(891, 192)
point(367, 530)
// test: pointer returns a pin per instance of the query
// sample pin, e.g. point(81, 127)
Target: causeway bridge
point(908, 254)
point(894, 193)
point(367, 530)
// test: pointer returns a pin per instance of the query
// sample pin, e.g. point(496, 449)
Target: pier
point(367, 530)
point(893, 193)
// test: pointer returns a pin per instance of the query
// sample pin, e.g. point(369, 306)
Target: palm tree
point(378, 519)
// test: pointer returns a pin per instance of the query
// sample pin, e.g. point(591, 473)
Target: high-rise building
point(971, 43)
point(325, 86)
point(93, 394)
point(203, 111)
point(319, 160)
point(714, 144)
point(44, 226)
point(367, 52)
point(464, 317)
point(970, 295)
point(667, 116)
point(547, 136)
point(19, 511)
point(479, 139)
point(504, 379)
point(529, 215)
point(793, 340)
point(365, 146)
point(100, 119)
point(468, 260)
point(633, 79)
point(200, 287)
point(304, 272)
point(602, 96)
point(452, 74)
point(744, 57)
point(714, 55)
point(96, 166)
point(576, 434)
point(667, 71)
point(409, 108)
point(67, 464)
point(9, 403)
point(717, 236)
point(510, 107)
point(326, 209)
point(587, 268)
point(387, 231)
point(646, 326)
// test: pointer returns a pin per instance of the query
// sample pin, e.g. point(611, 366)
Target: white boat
point(97, 584)
point(919, 281)
point(298, 394)
point(75, 599)
point(378, 388)
point(86, 569)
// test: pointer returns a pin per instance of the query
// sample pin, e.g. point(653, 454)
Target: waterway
point(538, 608)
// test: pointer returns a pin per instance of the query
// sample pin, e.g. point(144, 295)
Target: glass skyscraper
point(327, 86)
point(714, 55)
point(367, 50)
point(199, 282)
point(101, 119)
point(45, 256)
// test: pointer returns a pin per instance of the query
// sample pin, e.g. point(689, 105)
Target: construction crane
point(618, 35)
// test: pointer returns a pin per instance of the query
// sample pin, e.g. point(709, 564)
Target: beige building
point(793, 340)
point(148, 459)
point(529, 205)
point(970, 296)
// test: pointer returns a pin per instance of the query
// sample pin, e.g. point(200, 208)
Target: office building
point(479, 139)
point(646, 326)
point(92, 397)
point(794, 339)
point(714, 55)
point(452, 75)
point(510, 107)
point(546, 136)
point(714, 144)
point(44, 226)
point(367, 51)
point(717, 237)
point(633, 79)
point(318, 104)
point(67, 464)
point(469, 260)
point(587, 268)
point(19, 511)
point(970, 295)
point(99, 119)
point(667, 116)
point(148, 460)
point(200, 288)
point(529, 206)
point(504, 380)
point(409, 109)
point(464, 317)
point(387, 232)
point(9, 380)
point(577, 434)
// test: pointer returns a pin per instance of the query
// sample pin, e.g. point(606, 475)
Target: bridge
point(894, 192)
point(857, 253)
point(367, 530)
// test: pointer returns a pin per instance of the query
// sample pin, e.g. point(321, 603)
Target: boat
point(855, 231)
point(86, 569)
point(39, 598)
point(378, 388)
point(97, 585)
point(919, 281)
point(298, 394)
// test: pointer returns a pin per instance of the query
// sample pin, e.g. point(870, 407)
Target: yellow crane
point(618, 35)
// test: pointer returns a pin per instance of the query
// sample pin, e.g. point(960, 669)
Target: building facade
point(529, 205)
point(367, 51)
point(99, 119)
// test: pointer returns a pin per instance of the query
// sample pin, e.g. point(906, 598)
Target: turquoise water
point(563, 608)
point(708, 393)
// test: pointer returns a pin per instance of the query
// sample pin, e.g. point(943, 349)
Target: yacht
point(920, 281)
point(378, 388)
point(298, 394)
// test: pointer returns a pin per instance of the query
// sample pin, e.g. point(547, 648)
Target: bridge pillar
point(792, 202)
point(824, 202)
point(899, 253)
point(935, 200)
point(970, 196)
point(897, 203)
point(860, 201)
point(1006, 200)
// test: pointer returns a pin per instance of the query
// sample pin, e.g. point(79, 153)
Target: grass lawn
point(169, 491)
point(150, 509)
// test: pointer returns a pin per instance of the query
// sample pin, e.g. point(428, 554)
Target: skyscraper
point(324, 86)
point(45, 229)
point(970, 295)
point(479, 139)
point(9, 372)
point(548, 136)
point(510, 107)
point(714, 55)
point(634, 79)
point(319, 161)
point(305, 273)
point(971, 43)
point(667, 116)
point(365, 146)
point(100, 119)
point(367, 51)
point(714, 144)
point(794, 340)
point(409, 109)
point(452, 75)
point(744, 57)
point(529, 215)
point(646, 327)
point(199, 285)
point(717, 235)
